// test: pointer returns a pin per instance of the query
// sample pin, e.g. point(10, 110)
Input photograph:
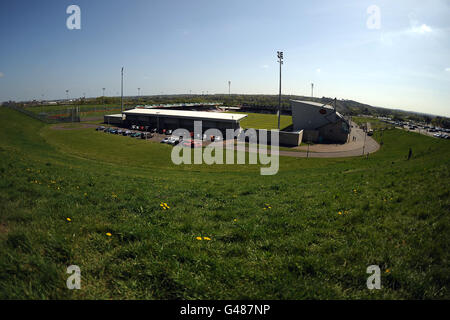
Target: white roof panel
point(188, 114)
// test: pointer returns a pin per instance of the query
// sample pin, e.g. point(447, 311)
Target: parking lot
point(152, 136)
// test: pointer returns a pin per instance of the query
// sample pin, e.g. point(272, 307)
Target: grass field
point(84, 107)
point(374, 123)
point(329, 219)
point(86, 111)
point(264, 121)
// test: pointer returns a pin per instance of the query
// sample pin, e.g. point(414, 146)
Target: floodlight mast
point(121, 94)
point(280, 60)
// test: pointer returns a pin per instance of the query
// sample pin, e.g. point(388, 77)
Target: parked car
point(169, 132)
point(146, 135)
point(173, 141)
point(119, 131)
point(191, 144)
point(101, 128)
point(165, 140)
point(126, 133)
point(154, 130)
point(136, 135)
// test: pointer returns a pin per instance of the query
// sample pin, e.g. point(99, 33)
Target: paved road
point(353, 148)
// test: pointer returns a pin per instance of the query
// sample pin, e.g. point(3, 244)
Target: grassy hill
point(308, 232)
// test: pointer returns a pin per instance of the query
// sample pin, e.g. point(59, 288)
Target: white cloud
point(265, 66)
point(447, 69)
point(421, 29)
point(1, 74)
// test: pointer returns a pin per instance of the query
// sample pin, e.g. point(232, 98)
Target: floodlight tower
point(312, 90)
point(103, 102)
point(67, 94)
point(229, 87)
point(121, 93)
point(139, 89)
point(280, 60)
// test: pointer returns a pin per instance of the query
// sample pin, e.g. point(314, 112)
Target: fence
point(67, 115)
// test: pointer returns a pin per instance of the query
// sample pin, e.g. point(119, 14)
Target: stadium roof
point(187, 114)
point(317, 104)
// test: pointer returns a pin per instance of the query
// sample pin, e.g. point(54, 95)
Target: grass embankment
point(328, 220)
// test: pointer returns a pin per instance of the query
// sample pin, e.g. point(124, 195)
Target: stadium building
point(321, 123)
point(174, 119)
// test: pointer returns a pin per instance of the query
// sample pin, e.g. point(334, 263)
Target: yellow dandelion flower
point(198, 238)
point(235, 220)
point(340, 212)
point(206, 238)
point(387, 270)
point(85, 194)
point(108, 234)
point(68, 219)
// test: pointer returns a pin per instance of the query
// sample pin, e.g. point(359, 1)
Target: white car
point(173, 141)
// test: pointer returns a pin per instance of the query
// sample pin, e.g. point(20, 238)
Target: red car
point(191, 144)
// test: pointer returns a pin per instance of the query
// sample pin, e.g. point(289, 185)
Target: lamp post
point(280, 60)
point(365, 136)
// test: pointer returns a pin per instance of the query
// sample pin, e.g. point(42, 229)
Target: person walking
point(409, 153)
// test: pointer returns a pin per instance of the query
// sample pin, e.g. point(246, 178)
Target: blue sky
point(182, 46)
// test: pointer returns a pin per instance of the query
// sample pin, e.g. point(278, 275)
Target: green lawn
point(264, 121)
point(394, 213)
point(83, 107)
point(374, 122)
